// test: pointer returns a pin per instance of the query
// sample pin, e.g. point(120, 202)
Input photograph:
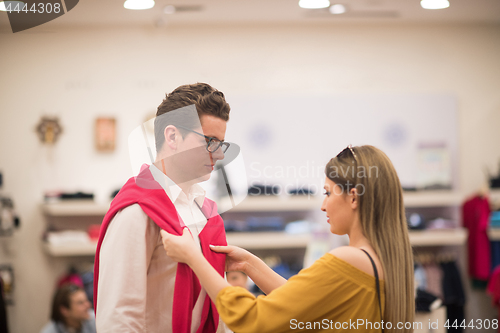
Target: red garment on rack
point(146, 192)
point(476, 214)
point(494, 289)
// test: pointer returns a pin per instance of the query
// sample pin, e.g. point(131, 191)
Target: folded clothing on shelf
point(303, 190)
point(263, 190)
point(56, 195)
point(495, 219)
point(274, 223)
point(253, 223)
point(426, 301)
point(441, 223)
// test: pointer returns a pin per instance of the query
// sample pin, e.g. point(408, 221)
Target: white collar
point(173, 190)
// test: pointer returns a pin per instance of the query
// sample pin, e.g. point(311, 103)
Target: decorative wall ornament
point(49, 129)
point(105, 134)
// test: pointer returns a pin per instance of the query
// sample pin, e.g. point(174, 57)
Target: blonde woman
point(364, 287)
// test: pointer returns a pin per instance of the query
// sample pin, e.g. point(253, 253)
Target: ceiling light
point(170, 9)
point(434, 4)
point(139, 4)
point(337, 9)
point(314, 4)
point(13, 4)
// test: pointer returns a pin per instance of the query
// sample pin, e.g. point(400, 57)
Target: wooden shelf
point(275, 203)
point(75, 208)
point(438, 237)
point(281, 240)
point(260, 204)
point(70, 250)
point(433, 199)
point(304, 203)
point(268, 240)
point(494, 234)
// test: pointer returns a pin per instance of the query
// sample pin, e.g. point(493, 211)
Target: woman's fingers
point(221, 249)
point(164, 234)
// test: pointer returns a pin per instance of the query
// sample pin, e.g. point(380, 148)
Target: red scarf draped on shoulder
point(146, 192)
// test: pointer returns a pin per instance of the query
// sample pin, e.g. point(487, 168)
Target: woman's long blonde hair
point(383, 223)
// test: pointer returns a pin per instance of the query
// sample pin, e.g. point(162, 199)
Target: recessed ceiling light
point(170, 9)
point(337, 9)
point(14, 5)
point(434, 4)
point(139, 4)
point(314, 4)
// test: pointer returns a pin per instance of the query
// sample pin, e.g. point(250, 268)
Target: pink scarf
point(146, 192)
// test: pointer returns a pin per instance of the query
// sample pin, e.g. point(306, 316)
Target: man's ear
point(172, 136)
point(64, 311)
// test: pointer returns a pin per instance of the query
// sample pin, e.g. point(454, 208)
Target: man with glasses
point(137, 287)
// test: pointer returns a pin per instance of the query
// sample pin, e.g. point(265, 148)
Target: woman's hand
point(236, 259)
point(180, 248)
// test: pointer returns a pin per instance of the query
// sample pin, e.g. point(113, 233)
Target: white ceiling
point(111, 12)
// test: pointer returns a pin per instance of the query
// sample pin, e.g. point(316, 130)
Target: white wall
point(81, 74)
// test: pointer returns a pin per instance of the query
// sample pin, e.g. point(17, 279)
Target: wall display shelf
point(433, 198)
point(495, 198)
point(75, 208)
point(301, 203)
point(261, 203)
point(494, 234)
point(77, 250)
point(280, 240)
point(439, 237)
point(267, 240)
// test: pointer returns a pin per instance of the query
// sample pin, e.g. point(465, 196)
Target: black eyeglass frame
point(210, 139)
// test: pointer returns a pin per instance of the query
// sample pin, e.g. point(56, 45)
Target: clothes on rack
point(493, 289)
point(442, 280)
point(434, 278)
point(475, 215)
point(454, 296)
point(424, 300)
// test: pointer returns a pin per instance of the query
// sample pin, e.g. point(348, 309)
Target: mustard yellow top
point(329, 296)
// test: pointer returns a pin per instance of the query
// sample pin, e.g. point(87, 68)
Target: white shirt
point(136, 277)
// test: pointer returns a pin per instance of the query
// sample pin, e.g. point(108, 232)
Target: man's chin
point(204, 178)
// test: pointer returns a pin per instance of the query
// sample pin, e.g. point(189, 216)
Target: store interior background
point(89, 64)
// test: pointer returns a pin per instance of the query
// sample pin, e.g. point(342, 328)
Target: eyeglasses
point(343, 153)
point(213, 144)
point(348, 148)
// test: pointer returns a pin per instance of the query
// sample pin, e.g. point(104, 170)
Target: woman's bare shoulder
point(357, 258)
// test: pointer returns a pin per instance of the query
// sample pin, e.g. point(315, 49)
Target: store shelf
point(438, 237)
point(304, 203)
point(70, 249)
point(268, 240)
point(247, 240)
point(260, 204)
point(275, 203)
point(432, 199)
point(494, 234)
point(494, 198)
point(75, 208)
point(281, 240)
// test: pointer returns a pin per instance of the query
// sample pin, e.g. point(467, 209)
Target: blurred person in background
point(71, 312)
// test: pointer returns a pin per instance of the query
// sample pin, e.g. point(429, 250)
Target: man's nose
point(217, 155)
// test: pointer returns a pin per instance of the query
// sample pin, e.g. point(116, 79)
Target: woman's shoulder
point(357, 258)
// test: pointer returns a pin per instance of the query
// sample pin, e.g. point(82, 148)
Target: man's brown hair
point(206, 99)
point(62, 297)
